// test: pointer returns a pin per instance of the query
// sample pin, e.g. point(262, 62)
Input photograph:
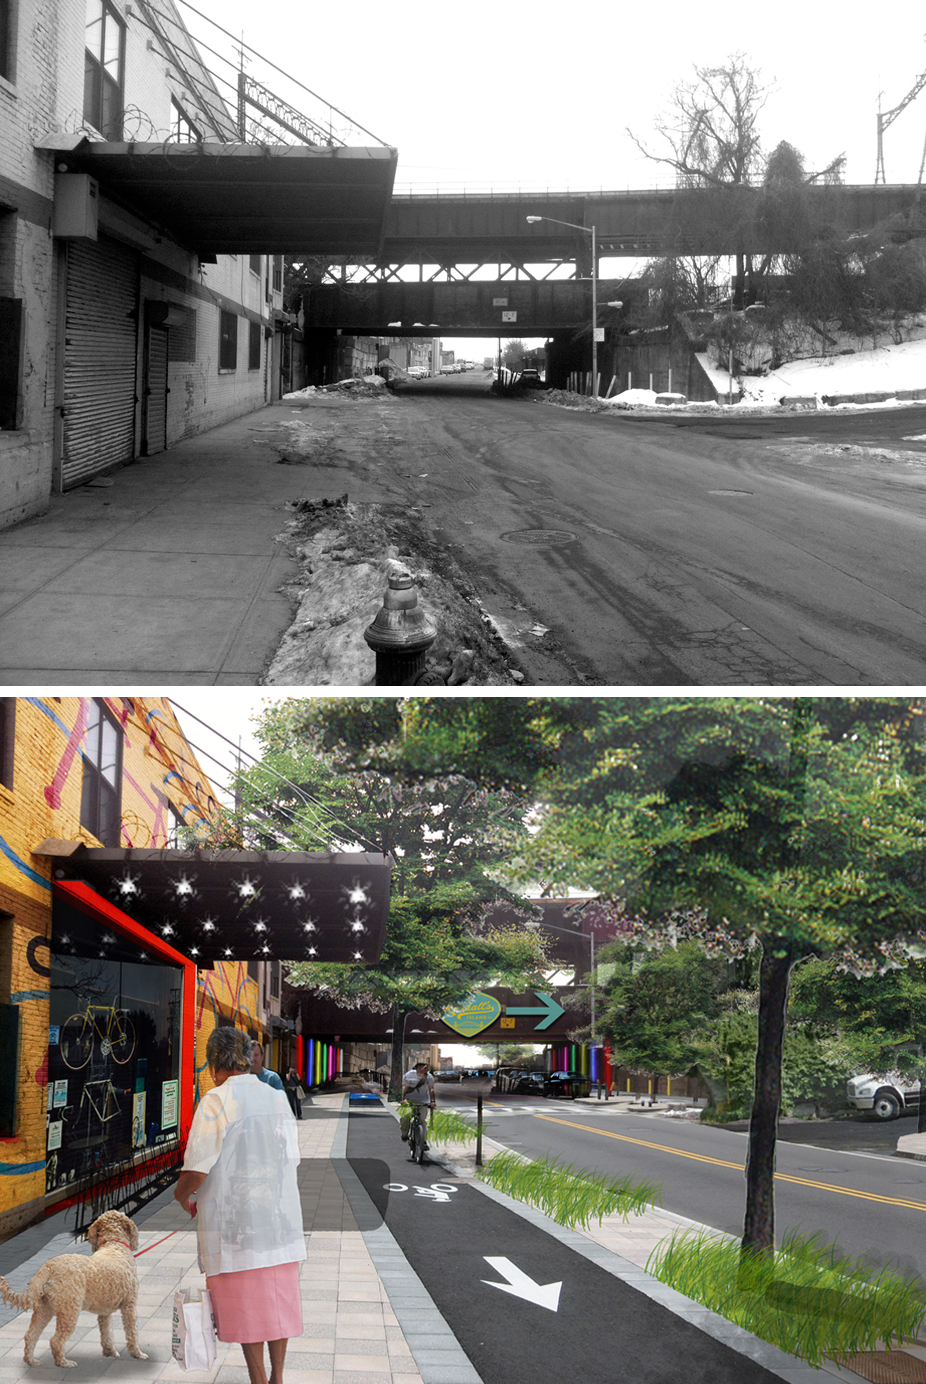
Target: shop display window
point(113, 1051)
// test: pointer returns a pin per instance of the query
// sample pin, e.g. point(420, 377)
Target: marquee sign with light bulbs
point(241, 905)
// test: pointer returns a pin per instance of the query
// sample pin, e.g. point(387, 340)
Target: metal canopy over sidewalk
point(236, 905)
point(223, 199)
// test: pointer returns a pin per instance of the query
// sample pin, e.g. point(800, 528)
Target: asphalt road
point(584, 1324)
point(870, 1204)
point(637, 552)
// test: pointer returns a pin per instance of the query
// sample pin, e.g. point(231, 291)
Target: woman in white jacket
point(240, 1161)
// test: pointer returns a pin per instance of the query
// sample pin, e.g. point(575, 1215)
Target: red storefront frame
point(95, 906)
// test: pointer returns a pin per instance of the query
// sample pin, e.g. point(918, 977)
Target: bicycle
point(417, 1132)
point(78, 1033)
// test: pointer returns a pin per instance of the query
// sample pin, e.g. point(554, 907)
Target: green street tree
point(654, 1008)
point(797, 826)
point(878, 1019)
point(446, 835)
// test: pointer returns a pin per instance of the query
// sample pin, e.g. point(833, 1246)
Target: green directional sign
point(548, 1007)
point(477, 1013)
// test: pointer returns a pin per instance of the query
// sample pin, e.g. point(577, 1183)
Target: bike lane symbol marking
point(438, 1191)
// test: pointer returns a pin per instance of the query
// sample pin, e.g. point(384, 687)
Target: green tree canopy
point(794, 825)
point(446, 835)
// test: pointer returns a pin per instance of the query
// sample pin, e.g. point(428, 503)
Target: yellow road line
point(722, 1163)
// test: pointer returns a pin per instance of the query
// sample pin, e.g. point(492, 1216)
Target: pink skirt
point(257, 1304)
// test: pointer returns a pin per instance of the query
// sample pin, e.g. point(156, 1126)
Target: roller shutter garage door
point(99, 358)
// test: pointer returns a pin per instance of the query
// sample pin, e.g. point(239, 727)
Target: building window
point(182, 129)
point(275, 980)
point(278, 273)
point(254, 335)
point(7, 69)
point(101, 792)
point(9, 1070)
point(228, 341)
point(104, 62)
point(7, 736)
point(255, 261)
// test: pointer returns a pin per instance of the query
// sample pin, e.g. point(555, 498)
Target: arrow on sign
point(543, 1294)
point(549, 1006)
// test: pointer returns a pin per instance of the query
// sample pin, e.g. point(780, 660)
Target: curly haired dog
point(103, 1282)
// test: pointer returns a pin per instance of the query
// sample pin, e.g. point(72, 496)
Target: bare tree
point(710, 136)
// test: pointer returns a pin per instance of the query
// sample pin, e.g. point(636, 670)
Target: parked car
point(886, 1100)
point(531, 379)
point(571, 1084)
point(450, 1074)
point(530, 1083)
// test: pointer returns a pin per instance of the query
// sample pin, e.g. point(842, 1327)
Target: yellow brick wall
point(226, 994)
point(159, 770)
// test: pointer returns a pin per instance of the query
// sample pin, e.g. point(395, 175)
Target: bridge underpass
point(558, 310)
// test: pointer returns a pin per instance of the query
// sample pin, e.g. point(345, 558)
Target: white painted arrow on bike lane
point(520, 1285)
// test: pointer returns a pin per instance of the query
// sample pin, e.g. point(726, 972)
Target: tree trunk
point(398, 1052)
point(774, 976)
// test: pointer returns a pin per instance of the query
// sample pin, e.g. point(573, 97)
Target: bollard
point(400, 635)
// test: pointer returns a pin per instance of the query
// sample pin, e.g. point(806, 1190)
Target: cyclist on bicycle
point(417, 1089)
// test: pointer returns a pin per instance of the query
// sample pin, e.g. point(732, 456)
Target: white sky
point(499, 96)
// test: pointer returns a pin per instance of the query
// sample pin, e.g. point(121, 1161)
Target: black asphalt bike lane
point(602, 1329)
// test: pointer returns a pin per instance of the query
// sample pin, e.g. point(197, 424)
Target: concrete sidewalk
point(351, 1333)
point(166, 572)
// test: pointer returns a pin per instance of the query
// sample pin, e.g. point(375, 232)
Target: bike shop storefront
point(130, 927)
point(119, 998)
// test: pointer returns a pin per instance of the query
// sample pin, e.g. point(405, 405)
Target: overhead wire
point(327, 818)
point(240, 43)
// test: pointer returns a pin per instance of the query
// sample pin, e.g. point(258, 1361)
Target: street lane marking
point(521, 1285)
point(740, 1167)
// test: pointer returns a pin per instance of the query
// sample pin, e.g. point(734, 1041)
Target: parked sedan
point(570, 1084)
point(450, 1075)
point(530, 1083)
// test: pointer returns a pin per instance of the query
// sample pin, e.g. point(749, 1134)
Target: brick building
point(142, 229)
point(124, 942)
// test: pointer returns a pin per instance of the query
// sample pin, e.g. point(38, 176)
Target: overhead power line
point(239, 43)
point(326, 819)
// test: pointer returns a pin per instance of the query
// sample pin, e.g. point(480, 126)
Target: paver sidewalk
point(351, 1334)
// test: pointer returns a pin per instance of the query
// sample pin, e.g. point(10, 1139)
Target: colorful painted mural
point(103, 771)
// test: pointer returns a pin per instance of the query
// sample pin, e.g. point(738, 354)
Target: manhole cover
point(887, 1367)
point(730, 492)
point(540, 538)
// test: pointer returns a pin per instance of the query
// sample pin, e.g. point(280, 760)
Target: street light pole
point(550, 927)
point(594, 389)
point(587, 230)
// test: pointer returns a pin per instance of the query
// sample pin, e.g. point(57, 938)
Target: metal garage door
point(99, 358)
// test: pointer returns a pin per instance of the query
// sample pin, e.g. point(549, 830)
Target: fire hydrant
point(400, 635)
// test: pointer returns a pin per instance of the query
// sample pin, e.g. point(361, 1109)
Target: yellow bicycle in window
point(113, 1028)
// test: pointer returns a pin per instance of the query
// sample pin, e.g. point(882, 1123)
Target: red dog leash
point(147, 1247)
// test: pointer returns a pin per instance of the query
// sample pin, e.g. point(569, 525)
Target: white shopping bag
point(193, 1342)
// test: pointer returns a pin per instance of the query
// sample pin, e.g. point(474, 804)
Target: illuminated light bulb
point(295, 891)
